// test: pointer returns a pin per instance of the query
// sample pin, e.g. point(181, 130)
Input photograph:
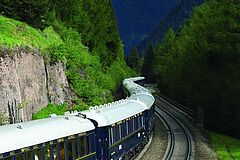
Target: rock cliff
point(28, 83)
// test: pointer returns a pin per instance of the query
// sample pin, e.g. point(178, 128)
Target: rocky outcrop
point(27, 84)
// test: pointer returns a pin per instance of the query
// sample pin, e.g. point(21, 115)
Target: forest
point(198, 65)
point(86, 40)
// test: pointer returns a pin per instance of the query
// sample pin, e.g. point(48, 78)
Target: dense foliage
point(81, 34)
point(34, 12)
point(199, 65)
point(96, 22)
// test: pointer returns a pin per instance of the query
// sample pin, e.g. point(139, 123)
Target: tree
point(133, 60)
point(200, 64)
point(34, 12)
point(148, 64)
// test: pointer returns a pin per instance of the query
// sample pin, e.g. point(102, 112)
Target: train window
point(127, 128)
point(48, 152)
point(70, 149)
point(136, 123)
point(78, 147)
point(120, 131)
point(62, 151)
point(123, 129)
point(143, 123)
point(110, 136)
point(74, 148)
point(133, 124)
point(59, 152)
point(39, 154)
point(139, 121)
point(29, 155)
point(82, 145)
point(115, 133)
point(130, 126)
point(19, 157)
point(56, 153)
point(88, 144)
point(91, 143)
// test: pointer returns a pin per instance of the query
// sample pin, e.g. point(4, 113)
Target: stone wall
point(27, 84)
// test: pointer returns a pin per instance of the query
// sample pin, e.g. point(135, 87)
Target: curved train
point(116, 130)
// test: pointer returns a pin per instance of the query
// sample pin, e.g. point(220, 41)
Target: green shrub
point(50, 109)
point(3, 119)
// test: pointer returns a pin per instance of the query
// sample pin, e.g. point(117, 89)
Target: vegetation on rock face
point(225, 147)
point(199, 65)
point(3, 119)
point(82, 34)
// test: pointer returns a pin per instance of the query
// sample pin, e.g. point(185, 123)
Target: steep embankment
point(47, 68)
point(28, 81)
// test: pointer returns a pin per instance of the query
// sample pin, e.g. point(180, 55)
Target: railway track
point(180, 140)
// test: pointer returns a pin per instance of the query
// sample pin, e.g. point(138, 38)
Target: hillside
point(198, 66)
point(175, 19)
point(78, 65)
point(137, 18)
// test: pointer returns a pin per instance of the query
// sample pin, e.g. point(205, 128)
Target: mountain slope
point(175, 19)
point(137, 18)
point(199, 65)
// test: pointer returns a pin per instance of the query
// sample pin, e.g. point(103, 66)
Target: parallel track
point(180, 141)
point(187, 112)
point(171, 138)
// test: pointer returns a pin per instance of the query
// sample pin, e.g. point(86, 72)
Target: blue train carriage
point(120, 128)
point(149, 101)
point(56, 138)
point(138, 92)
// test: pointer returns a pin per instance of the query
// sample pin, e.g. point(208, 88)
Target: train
point(113, 131)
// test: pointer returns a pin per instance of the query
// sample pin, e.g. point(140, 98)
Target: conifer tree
point(148, 64)
point(134, 60)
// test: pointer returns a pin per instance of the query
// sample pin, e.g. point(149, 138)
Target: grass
point(14, 33)
point(225, 145)
point(50, 109)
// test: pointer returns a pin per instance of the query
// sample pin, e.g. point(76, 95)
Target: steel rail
point(183, 129)
point(183, 109)
point(171, 138)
